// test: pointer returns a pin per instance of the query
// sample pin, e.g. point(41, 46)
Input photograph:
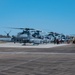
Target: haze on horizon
point(46, 15)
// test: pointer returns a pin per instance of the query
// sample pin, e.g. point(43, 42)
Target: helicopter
point(53, 36)
point(25, 36)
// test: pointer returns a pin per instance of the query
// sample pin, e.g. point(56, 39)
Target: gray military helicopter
point(55, 36)
point(25, 36)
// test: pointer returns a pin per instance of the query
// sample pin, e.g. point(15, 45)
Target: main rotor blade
point(22, 28)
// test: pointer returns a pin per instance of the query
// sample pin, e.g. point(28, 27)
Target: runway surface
point(19, 45)
point(37, 61)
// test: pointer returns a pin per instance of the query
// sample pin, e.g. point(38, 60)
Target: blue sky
point(46, 15)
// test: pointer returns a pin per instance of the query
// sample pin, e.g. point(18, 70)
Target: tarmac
point(51, 60)
point(18, 45)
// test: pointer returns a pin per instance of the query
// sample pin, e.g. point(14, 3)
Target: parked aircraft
point(53, 36)
point(30, 35)
point(26, 36)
